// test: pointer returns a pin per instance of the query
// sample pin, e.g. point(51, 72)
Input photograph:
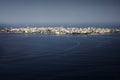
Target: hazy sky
point(59, 11)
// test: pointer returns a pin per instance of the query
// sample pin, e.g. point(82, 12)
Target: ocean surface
point(59, 57)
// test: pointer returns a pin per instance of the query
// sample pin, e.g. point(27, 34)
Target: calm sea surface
point(59, 57)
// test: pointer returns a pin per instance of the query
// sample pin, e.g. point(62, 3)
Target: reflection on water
point(43, 57)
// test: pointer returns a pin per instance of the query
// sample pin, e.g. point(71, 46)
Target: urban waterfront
point(61, 30)
point(59, 39)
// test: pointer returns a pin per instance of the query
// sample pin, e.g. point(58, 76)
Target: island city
point(60, 30)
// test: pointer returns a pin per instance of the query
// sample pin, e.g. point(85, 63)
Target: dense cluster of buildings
point(60, 30)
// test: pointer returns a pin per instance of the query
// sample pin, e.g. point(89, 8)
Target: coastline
point(61, 30)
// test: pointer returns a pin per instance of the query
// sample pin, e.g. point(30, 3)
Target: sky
point(60, 11)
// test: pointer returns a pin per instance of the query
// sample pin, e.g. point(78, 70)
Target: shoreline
point(61, 30)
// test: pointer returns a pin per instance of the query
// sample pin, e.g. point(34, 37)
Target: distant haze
point(60, 11)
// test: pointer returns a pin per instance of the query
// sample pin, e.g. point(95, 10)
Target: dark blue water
point(59, 57)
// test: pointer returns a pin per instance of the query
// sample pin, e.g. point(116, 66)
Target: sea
point(34, 56)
